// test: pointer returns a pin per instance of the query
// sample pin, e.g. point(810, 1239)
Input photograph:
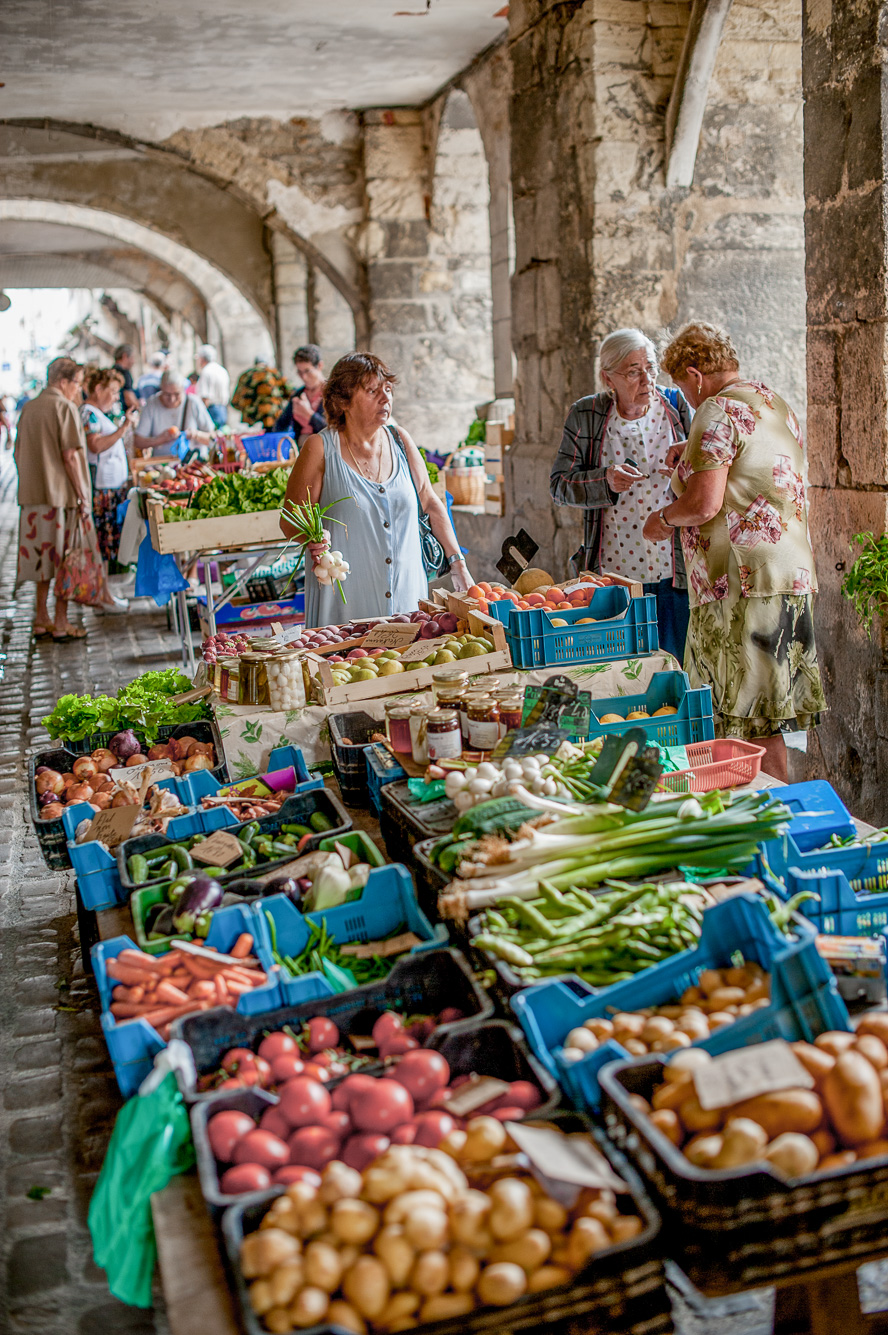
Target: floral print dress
point(751, 568)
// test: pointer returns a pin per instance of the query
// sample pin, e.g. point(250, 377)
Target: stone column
point(291, 309)
point(844, 72)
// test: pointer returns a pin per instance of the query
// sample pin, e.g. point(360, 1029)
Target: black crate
point(430, 880)
point(349, 764)
point(741, 1228)
point(51, 833)
point(403, 822)
point(423, 983)
point(622, 1291)
point(488, 1047)
point(295, 809)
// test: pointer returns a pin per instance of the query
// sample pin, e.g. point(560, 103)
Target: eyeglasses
point(637, 373)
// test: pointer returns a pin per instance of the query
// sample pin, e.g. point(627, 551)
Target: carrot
point(245, 975)
point(139, 959)
point(200, 969)
point(242, 946)
point(121, 993)
point(128, 1010)
point(125, 973)
point(202, 989)
point(222, 996)
point(167, 992)
point(166, 1014)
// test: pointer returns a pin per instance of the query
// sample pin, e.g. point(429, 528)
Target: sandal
point(72, 633)
point(43, 632)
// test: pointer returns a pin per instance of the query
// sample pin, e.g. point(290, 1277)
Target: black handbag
point(433, 557)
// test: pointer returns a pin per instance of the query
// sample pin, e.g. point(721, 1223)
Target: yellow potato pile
point(415, 1238)
point(798, 1131)
point(720, 997)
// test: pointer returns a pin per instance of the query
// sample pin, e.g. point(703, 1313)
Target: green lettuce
point(145, 705)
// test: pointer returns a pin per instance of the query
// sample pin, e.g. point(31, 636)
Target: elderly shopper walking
point(743, 519)
point(170, 413)
point(375, 470)
point(612, 465)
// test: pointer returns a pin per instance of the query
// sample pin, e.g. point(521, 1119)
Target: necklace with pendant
point(360, 470)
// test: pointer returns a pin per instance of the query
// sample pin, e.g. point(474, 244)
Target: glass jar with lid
point(511, 709)
point(483, 720)
point(443, 732)
point(229, 679)
point(286, 682)
point(447, 679)
point(397, 725)
point(419, 741)
point(253, 680)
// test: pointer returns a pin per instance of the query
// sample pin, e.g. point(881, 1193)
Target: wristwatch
point(664, 520)
point(455, 559)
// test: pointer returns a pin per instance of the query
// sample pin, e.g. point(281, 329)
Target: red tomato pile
point(355, 1122)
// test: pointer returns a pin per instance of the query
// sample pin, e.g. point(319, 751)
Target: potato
point(760, 990)
point(825, 1142)
point(354, 1221)
point(873, 1149)
point(468, 1217)
point(873, 1049)
point(261, 1299)
point(511, 1212)
point(286, 1281)
point(444, 1306)
point(691, 996)
point(581, 1038)
point(339, 1182)
point(852, 1095)
point(793, 1154)
point(586, 1237)
point(640, 1103)
point(265, 1250)
point(343, 1314)
point(657, 1027)
point(426, 1227)
point(710, 981)
point(718, 1019)
point(628, 1025)
point(395, 1253)
point(602, 1029)
point(485, 1138)
point(454, 1144)
point(548, 1277)
point(636, 1047)
point(674, 1095)
point(431, 1273)
point(666, 1120)
point(743, 1141)
point(683, 1065)
point(816, 1061)
point(841, 1159)
point(605, 1211)
point(529, 1251)
point(783, 1110)
point(695, 1026)
point(695, 1118)
point(284, 1214)
point(366, 1286)
point(279, 1320)
point(397, 1307)
point(464, 1270)
point(308, 1308)
point(876, 1022)
point(834, 1042)
point(702, 1150)
point(405, 1323)
point(625, 1227)
point(501, 1284)
point(549, 1215)
point(671, 1042)
point(723, 997)
point(323, 1266)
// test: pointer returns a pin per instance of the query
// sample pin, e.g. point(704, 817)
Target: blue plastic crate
point(264, 449)
point(819, 813)
point(203, 784)
point(693, 721)
point(804, 998)
point(625, 627)
point(844, 909)
point(133, 1044)
point(382, 768)
point(387, 903)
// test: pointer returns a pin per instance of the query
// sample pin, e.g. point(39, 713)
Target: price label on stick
point(477, 1090)
point(571, 1159)
point(745, 1074)
point(421, 649)
point(155, 769)
point(219, 850)
point(397, 635)
point(113, 825)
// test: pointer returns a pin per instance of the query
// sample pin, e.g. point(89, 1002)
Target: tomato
point(360, 1150)
point(509, 1113)
point(313, 1146)
point(322, 1033)
point(234, 1083)
point(388, 1024)
point(316, 1072)
point(405, 1134)
point(422, 1030)
point(383, 1107)
point(304, 1102)
point(450, 1014)
point(422, 1072)
point(352, 1084)
point(294, 1172)
point(238, 1059)
point(273, 1120)
point(397, 1045)
point(245, 1177)
point(275, 1045)
point(523, 1094)
point(339, 1122)
point(263, 1071)
point(285, 1067)
point(432, 1127)
point(225, 1130)
point(263, 1148)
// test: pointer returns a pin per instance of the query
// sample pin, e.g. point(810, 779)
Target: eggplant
point(161, 923)
point(293, 887)
point(200, 896)
point(244, 888)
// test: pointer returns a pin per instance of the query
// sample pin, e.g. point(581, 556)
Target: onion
point(137, 759)
point(186, 745)
point(161, 752)
point(44, 799)
point(85, 767)
point(102, 801)
point(50, 781)
point(41, 769)
point(123, 799)
point(52, 812)
point(197, 761)
point(174, 749)
point(80, 792)
point(105, 759)
point(125, 744)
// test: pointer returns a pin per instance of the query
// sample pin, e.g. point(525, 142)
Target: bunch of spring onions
point(307, 517)
point(609, 842)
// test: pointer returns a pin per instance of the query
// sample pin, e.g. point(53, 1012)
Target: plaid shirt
point(577, 478)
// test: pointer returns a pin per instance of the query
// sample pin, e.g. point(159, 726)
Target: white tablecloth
point(248, 734)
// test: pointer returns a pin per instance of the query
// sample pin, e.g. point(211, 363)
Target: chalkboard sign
point(553, 705)
point(627, 769)
point(528, 741)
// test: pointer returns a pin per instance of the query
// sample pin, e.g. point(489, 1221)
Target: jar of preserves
point(511, 709)
point(419, 741)
point(469, 694)
point(229, 679)
point(448, 679)
point(397, 725)
point(483, 719)
point(286, 682)
point(444, 737)
point(253, 680)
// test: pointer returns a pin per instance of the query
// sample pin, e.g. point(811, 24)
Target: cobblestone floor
point(59, 1096)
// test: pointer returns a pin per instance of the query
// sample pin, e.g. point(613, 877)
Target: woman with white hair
point(213, 384)
point(612, 465)
point(170, 413)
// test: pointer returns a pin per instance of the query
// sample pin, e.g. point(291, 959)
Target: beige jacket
point(48, 426)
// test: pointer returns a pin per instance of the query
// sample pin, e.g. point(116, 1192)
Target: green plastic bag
point(151, 1142)
point(421, 791)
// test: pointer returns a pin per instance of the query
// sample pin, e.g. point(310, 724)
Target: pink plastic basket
point(724, 763)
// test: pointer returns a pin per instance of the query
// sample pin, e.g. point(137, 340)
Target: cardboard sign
point(219, 850)
point(745, 1074)
point(396, 635)
point(155, 770)
point(474, 1093)
point(571, 1159)
point(394, 945)
point(189, 697)
point(113, 825)
point(421, 649)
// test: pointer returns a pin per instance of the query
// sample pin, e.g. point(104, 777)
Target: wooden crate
point(202, 535)
point(326, 692)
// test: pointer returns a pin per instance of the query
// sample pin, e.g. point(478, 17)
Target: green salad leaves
point(233, 494)
point(144, 704)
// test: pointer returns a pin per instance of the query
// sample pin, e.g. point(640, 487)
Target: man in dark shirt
point(304, 414)
point(124, 360)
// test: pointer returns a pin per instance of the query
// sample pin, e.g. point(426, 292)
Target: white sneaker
point(116, 607)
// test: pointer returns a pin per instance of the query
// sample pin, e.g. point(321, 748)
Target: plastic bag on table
point(421, 791)
point(157, 576)
point(151, 1142)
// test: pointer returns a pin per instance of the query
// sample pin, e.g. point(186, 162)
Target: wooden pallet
point(206, 535)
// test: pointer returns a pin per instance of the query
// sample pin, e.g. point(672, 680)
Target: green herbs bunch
point(866, 583)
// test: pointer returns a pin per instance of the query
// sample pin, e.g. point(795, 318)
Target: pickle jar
point(397, 725)
point(253, 680)
point(419, 741)
point(483, 719)
point(286, 684)
point(444, 736)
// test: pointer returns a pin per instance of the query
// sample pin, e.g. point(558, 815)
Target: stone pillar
point(331, 320)
point(844, 71)
point(291, 308)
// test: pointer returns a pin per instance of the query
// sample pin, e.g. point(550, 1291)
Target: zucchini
point(320, 823)
point(300, 830)
point(453, 854)
point(181, 857)
point(500, 813)
point(138, 869)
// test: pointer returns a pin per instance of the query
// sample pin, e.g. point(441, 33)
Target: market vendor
point(170, 413)
point(376, 474)
point(612, 465)
point(743, 518)
point(304, 414)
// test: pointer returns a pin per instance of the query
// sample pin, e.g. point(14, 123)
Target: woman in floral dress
point(743, 517)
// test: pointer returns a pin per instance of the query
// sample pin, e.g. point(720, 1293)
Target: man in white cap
point(213, 384)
